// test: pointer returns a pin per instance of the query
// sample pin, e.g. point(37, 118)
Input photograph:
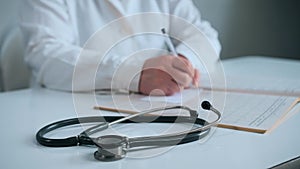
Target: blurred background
point(255, 27)
point(246, 27)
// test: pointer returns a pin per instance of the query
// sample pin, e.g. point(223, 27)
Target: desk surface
point(25, 111)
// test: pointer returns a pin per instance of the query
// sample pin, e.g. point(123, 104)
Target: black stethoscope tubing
point(83, 139)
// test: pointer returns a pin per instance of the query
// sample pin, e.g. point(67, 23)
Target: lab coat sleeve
point(49, 42)
point(53, 50)
point(187, 11)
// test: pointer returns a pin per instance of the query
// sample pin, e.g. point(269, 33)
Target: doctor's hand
point(167, 75)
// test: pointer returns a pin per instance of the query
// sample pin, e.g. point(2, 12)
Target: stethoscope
point(115, 147)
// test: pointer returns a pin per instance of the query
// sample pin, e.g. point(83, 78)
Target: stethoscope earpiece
point(206, 105)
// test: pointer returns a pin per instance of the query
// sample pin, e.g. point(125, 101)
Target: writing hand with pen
point(167, 75)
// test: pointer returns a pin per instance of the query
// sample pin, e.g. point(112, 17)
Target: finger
point(168, 89)
point(180, 77)
point(172, 88)
point(196, 78)
point(156, 92)
point(183, 65)
point(157, 82)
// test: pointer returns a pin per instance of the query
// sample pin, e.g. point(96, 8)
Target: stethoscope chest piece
point(110, 147)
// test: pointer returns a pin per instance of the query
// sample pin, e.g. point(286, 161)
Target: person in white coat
point(56, 33)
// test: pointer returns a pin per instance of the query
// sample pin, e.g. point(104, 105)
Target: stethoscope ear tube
point(114, 147)
point(84, 139)
point(173, 139)
point(167, 141)
point(69, 141)
point(49, 142)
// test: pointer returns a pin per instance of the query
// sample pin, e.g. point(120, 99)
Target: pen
point(169, 42)
point(172, 49)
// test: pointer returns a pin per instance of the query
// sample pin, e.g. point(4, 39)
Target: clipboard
point(251, 112)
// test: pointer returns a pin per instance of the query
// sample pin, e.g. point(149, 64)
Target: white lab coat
point(56, 32)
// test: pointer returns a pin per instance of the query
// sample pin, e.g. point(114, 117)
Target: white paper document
point(241, 111)
point(178, 98)
point(260, 85)
point(254, 112)
point(136, 103)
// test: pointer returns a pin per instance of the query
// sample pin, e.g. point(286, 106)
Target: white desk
point(24, 112)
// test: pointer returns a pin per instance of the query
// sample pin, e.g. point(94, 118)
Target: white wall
point(14, 74)
point(8, 15)
point(255, 27)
